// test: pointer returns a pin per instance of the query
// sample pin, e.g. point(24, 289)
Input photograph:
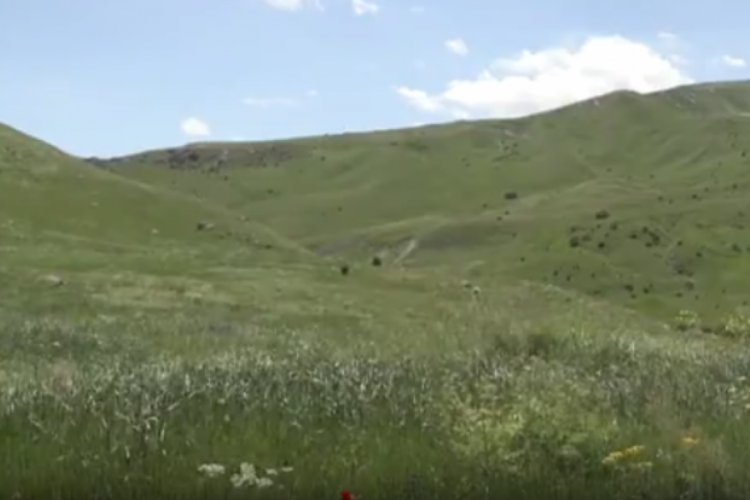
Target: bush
point(735, 325)
point(687, 320)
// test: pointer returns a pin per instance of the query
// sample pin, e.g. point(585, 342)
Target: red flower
point(345, 495)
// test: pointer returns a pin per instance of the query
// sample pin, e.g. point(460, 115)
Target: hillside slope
point(49, 192)
point(642, 199)
point(62, 217)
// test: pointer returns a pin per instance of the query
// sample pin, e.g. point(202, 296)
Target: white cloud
point(457, 46)
point(677, 59)
point(538, 81)
point(416, 9)
point(735, 62)
point(195, 127)
point(293, 5)
point(420, 99)
point(269, 102)
point(311, 93)
point(362, 7)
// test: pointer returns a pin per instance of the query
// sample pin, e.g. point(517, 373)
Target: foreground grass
point(531, 413)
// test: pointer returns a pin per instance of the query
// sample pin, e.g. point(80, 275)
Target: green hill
point(640, 199)
point(474, 308)
point(60, 215)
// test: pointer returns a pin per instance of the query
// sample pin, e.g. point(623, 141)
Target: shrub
point(687, 320)
point(735, 325)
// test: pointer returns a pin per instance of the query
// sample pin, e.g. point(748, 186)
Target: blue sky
point(105, 77)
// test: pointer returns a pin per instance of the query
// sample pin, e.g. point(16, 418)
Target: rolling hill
point(475, 307)
point(59, 214)
point(638, 199)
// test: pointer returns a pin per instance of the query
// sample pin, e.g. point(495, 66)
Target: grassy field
point(537, 308)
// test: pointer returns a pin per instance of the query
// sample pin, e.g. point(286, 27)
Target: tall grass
point(533, 413)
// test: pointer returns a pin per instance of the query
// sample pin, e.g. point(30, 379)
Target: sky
point(106, 78)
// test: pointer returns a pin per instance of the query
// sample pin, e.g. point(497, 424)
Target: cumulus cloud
point(293, 5)
point(535, 81)
point(420, 99)
point(735, 62)
point(195, 127)
point(457, 46)
point(362, 7)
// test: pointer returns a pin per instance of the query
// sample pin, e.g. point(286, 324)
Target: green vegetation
point(548, 306)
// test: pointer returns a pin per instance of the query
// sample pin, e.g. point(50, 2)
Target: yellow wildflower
point(633, 450)
point(613, 457)
point(617, 456)
point(689, 442)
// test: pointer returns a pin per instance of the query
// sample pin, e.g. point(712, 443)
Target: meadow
point(410, 317)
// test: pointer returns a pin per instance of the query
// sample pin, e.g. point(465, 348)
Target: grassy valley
point(445, 310)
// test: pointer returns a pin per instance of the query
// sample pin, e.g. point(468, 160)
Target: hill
point(61, 215)
point(638, 199)
point(482, 300)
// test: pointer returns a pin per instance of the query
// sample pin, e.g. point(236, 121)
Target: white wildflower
point(263, 482)
point(212, 470)
point(245, 477)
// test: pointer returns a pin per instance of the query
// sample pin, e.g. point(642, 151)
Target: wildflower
point(246, 476)
point(212, 470)
point(689, 441)
point(346, 495)
point(617, 456)
point(613, 457)
point(263, 482)
point(633, 450)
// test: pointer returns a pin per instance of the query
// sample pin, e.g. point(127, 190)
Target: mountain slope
point(108, 237)
point(48, 193)
point(667, 174)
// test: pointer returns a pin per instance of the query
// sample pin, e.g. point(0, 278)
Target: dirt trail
point(412, 245)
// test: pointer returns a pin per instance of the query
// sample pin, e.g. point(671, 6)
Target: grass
point(98, 407)
point(175, 323)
